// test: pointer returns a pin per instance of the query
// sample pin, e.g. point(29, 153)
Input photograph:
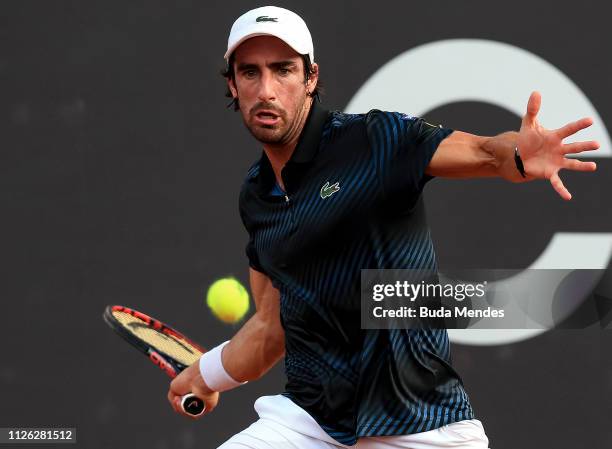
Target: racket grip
point(193, 405)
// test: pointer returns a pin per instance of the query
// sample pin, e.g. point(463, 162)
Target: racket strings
point(177, 348)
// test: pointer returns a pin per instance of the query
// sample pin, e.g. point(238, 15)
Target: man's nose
point(266, 88)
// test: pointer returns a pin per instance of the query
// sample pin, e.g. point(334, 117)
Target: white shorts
point(282, 424)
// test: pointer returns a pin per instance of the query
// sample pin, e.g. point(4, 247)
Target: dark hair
point(228, 73)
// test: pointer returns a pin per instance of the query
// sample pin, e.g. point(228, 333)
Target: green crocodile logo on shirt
point(328, 190)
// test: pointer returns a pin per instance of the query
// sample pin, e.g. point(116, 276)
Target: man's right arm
point(260, 343)
point(255, 348)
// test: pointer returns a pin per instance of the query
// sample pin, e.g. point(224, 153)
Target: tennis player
point(332, 194)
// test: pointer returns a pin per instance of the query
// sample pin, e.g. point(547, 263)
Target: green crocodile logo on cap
point(266, 19)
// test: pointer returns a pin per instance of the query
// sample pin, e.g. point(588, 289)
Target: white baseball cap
point(271, 21)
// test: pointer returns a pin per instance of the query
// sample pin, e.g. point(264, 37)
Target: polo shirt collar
point(308, 145)
point(305, 151)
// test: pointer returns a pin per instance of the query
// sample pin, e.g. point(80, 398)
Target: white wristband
point(213, 372)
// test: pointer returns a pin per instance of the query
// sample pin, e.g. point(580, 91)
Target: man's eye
point(249, 73)
point(284, 71)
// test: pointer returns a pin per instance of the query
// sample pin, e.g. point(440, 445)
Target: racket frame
point(165, 362)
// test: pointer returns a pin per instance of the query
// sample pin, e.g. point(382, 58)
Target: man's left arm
point(542, 152)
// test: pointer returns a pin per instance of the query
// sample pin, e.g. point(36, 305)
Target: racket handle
point(192, 405)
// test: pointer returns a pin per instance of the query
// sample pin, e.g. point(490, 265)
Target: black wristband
point(519, 162)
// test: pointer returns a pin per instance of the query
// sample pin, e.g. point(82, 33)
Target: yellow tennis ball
point(228, 300)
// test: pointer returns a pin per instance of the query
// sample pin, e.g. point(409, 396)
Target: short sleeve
point(251, 253)
point(402, 147)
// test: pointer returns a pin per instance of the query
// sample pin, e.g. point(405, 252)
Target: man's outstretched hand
point(543, 151)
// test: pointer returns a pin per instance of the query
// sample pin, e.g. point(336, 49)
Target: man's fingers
point(533, 107)
point(559, 187)
point(172, 400)
point(179, 385)
point(575, 164)
point(177, 405)
point(210, 401)
point(574, 127)
point(579, 147)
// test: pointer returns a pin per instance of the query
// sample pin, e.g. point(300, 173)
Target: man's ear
point(313, 77)
point(232, 87)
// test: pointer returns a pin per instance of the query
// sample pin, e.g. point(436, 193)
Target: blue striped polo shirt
point(352, 201)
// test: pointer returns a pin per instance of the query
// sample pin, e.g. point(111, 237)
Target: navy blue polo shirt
point(352, 201)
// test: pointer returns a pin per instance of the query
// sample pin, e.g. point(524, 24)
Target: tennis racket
point(167, 348)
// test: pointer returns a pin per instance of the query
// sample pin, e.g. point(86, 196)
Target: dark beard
point(259, 131)
point(264, 137)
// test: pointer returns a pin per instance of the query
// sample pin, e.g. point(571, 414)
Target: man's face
point(270, 87)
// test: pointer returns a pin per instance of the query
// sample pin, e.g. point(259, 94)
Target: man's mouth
point(267, 117)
